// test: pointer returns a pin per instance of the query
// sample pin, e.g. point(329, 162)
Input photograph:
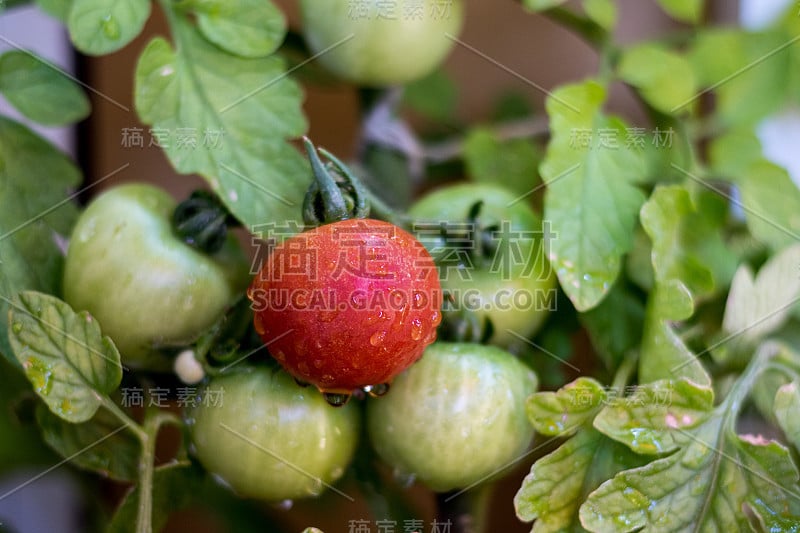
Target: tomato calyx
point(201, 221)
point(335, 194)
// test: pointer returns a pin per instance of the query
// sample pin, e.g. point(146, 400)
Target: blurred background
point(52, 498)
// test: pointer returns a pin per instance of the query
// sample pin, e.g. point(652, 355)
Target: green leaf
point(63, 354)
point(772, 521)
point(756, 308)
point(56, 8)
point(592, 200)
point(35, 179)
point(512, 164)
point(705, 484)
point(650, 420)
point(40, 91)
point(565, 411)
point(615, 326)
point(701, 487)
point(771, 202)
point(664, 79)
point(756, 68)
point(603, 12)
point(249, 28)
point(99, 27)
point(174, 488)
point(541, 5)
point(678, 231)
point(250, 105)
point(734, 153)
point(101, 445)
point(433, 96)
point(787, 407)
point(559, 482)
point(683, 10)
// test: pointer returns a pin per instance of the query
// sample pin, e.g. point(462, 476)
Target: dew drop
point(436, 318)
point(16, 327)
point(285, 505)
point(336, 399)
point(376, 391)
point(318, 363)
point(404, 479)
point(258, 323)
point(377, 338)
point(416, 329)
point(328, 316)
point(279, 355)
point(110, 27)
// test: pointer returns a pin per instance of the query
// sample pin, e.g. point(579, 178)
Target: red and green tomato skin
point(146, 287)
point(367, 45)
point(456, 417)
point(347, 305)
point(269, 439)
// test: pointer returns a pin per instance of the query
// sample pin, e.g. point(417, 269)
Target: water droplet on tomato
point(376, 391)
point(416, 329)
point(328, 316)
point(258, 323)
point(336, 399)
point(279, 355)
point(318, 363)
point(285, 505)
point(436, 318)
point(377, 338)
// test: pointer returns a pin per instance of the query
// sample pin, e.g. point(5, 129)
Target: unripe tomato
point(456, 417)
point(270, 439)
point(146, 287)
point(347, 305)
point(513, 285)
point(381, 43)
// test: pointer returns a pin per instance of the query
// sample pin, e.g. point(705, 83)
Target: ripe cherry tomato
point(270, 439)
point(455, 418)
point(145, 286)
point(381, 43)
point(347, 305)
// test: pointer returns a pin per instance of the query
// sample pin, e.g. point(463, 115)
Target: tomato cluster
point(351, 306)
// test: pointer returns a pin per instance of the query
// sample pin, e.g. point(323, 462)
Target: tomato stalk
point(338, 194)
point(202, 221)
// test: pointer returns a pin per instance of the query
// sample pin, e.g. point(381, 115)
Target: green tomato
point(456, 417)
point(381, 43)
point(512, 285)
point(147, 288)
point(270, 439)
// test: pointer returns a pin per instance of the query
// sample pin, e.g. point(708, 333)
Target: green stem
point(732, 404)
point(147, 437)
point(586, 28)
point(467, 512)
point(333, 204)
point(625, 370)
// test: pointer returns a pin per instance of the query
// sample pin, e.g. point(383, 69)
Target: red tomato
point(347, 305)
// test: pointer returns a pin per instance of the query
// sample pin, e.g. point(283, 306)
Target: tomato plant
point(148, 288)
point(628, 232)
point(347, 305)
point(457, 417)
point(375, 43)
point(271, 439)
